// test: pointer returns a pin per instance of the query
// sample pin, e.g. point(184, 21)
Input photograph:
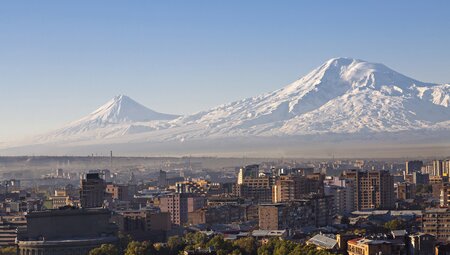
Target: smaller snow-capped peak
point(120, 115)
point(122, 109)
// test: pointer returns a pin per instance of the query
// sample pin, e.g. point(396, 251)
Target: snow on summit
point(119, 116)
point(342, 96)
point(124, 109)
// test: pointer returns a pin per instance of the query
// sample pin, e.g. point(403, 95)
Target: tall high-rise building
point(314, 211)
point(59, 172)
point(179, 205)
point(258, 189)
point(162, 179)
point(435, 222)
point(250, 171)
point(92, 193)
point(290, 187)
point(413, 166)
point(444, 198)
point(372, 189)
point(119, 191)
point(343, 198)
point(405, 190)
point(105, 174)
point(253, 186)
point(287, 188)
point(441, 167)
point(420, 178)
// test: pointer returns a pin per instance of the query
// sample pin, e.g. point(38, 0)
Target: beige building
point(436, 222)
point(441, 167)
point(179, 205)
point(362, 246)
point(291, 187)
point(317, 211)
point(258, 189)
point(288, 188)
point(59, 201)
point(405, 190)
point(444, 196)
point(118, 192)
point(372, 189)
point(250, 171)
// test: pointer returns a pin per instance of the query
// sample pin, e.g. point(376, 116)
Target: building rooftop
point(323, 241)
point(406, 213)
point(436, 210)
point(398, 233)
point(63, 211)
point(362, 241)
point(264, 233)
point(371, 212)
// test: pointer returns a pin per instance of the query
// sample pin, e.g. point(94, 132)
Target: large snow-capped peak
point(343, 95)
point(341, 74)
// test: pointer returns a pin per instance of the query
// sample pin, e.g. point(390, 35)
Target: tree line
point(217, 244)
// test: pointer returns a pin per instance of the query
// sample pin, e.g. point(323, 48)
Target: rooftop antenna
point(190, 165)
point(111, 160)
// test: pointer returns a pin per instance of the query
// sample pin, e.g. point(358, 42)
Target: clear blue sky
point(60, 60)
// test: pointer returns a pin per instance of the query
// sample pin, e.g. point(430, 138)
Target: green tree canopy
point(139, 248)
point(8, 251)
point(247, 245)
point(104, 249)
point(175, 244)
point(394, 225)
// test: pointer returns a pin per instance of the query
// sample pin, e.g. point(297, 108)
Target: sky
point(60, 60)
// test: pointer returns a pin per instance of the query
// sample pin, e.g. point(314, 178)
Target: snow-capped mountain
point(123, 109)
point(344, 97)
point(119, 116)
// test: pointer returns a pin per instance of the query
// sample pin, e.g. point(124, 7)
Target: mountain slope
point(342, 99)
point(343, 95)
point(123, 109)
point(119, 116)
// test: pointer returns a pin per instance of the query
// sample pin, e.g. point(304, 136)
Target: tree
point(220, 246)
point(105, 249)
point(246, 245)
point(283, 247)
point(175, 244)
point(8, 250)
point(124, 240)
point(161, 249)
point(139, 248)
point(394, 224)
point(236, 252)
point(196, 240)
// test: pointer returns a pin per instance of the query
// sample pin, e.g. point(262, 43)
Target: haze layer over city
point(224, 127)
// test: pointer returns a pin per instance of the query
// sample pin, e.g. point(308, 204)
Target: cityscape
point(224, 127)
point(279, 206)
